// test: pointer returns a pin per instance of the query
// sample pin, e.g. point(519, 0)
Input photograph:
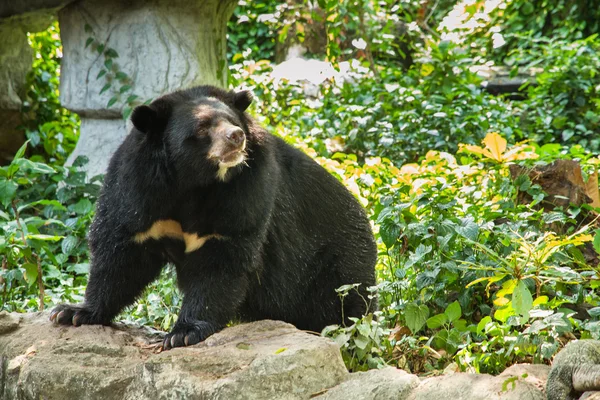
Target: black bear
point(255, 228)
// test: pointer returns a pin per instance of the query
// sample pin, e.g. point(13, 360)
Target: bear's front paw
point(67, 314)
point(188, 333)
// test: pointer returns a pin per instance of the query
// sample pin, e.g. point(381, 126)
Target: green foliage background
point(467, 273)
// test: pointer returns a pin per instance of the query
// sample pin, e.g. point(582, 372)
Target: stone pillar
point(162, 45)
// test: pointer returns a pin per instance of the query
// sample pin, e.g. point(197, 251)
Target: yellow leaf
point(520, 152)
point(507, 288)
point(496, 145)
point(501, 301)
point(477, 150)
point(586, 237)
point(540, 300)
point(427, 69)
point(485, 278)
point(504, 313)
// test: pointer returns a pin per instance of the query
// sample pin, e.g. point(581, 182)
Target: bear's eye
point(202, 127)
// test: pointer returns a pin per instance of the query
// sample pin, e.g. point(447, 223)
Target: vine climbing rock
point(146, 48)
point(575, 370)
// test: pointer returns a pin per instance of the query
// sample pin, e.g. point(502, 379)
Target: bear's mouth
point(233, 157)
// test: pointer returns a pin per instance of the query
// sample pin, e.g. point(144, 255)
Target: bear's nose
point(235, 136)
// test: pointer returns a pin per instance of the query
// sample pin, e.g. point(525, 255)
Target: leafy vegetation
point(478, 266)
point(52, 130)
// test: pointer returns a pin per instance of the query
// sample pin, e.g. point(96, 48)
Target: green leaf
point(31, 273)
point(44, 238)
point(80, 269)
point(7, 192)
point(460, 325)
point(453, 311)
point(100, 48)
point(437, 321)
point(52, 272)
point(389, 232)
point(361, 342)
point(112, 101)
point(527, 8)
point(124, 88)
point(596, 242)
point(82, 207)
point(482, 324)
point(468, 229)
point(364, 329)
point(89, 41)
point(54, 203)
point(120, 75)
point(105, 88)
point(101, 74)
point(127, 112)
point(509, 381)
point(522, 301)
point(87, 28)
point(36, 167)
point(131, 98)
point(415, 316)
point(69, 244)
point(20, 152)
point(108, 64)
point(112, 53)
point(594, 311)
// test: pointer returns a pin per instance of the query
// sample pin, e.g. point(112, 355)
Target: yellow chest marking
point(168, 228)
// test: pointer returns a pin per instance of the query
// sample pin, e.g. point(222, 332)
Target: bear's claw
point(187, 334)
point(65, 314)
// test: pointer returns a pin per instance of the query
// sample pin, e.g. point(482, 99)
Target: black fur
point(292, 232)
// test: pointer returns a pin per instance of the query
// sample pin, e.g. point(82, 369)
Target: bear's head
point(203, 131)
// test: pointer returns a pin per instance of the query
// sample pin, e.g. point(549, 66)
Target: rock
point(499, 80)
point(9, 8)
point(8, 322)
point(534, 374)
point(566, 369)
point(383, 384)
point(562, 180)
point(590, 396)
point(260, 360)
point(462, 386)
point(16, 57)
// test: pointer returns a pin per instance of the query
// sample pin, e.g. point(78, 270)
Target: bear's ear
point(152, 118)
point(143, 117)
point(242, 100)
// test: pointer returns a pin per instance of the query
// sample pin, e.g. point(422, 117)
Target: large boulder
point(260, 360)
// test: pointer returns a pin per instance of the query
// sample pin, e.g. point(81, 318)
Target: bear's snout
point(235, 135)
